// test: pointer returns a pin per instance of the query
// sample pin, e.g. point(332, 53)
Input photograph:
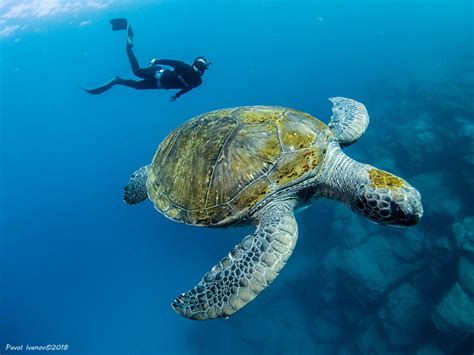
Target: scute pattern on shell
point(216, 167)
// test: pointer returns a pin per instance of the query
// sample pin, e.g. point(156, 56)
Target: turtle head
point(388, 199)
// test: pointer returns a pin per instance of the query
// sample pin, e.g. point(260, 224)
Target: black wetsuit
point(183, 76)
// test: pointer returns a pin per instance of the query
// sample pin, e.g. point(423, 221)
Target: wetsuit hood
point(201, 64)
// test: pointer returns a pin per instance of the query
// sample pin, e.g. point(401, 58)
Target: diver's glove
point(173, 98)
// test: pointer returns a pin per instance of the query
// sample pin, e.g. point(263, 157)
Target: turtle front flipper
point(247, 270)
point(349, 120)
point(135, 191)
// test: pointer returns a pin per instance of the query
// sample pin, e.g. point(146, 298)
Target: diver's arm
point(179, 93)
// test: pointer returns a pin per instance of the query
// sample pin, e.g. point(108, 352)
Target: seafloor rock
point(353, 229)
point(263, 330)
point(404, 315)
point(464, 233)
point(437, 196)
point(371, 268)
point(469, 159)
point(410, 246)
point(467, 127)
point(440, 267)
point(295, 341)
point(430, 140)
point(419, 137)
point(325, 331)
point(441, 259)
point(320, 348)
point(386, 163)
point(466, 275)
point(352, 312)
point(329, 275)
point(349, 347)
point(429, 349)
point(372, 341)
point(455, 312)
point(334, 315)
point(467, 134)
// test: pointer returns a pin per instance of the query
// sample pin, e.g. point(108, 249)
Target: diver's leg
point(138, 84)
point(133, 61)
point(144, 73)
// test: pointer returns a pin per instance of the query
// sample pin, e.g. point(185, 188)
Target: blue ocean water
point(80, 267)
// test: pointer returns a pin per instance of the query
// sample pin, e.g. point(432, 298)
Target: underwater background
point(80, 267)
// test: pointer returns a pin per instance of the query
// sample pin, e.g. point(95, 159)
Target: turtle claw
point(178, 306)
point(182, 306)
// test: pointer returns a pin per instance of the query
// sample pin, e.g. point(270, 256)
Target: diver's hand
point(173, 98)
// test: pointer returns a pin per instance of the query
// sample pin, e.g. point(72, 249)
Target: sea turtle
point(258, 165)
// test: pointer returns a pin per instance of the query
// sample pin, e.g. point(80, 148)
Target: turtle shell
point(216, 167)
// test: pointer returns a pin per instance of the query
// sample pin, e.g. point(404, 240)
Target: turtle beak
point(412, 220)
point(408, 209)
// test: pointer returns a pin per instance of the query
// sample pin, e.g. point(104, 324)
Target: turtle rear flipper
point(349, 120)
point(248, 269)
point(135, 191)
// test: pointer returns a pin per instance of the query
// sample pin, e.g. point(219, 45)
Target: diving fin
point(103, 88)
point(119, 24)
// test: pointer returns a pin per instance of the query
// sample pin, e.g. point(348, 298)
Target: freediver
point(183, 76)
